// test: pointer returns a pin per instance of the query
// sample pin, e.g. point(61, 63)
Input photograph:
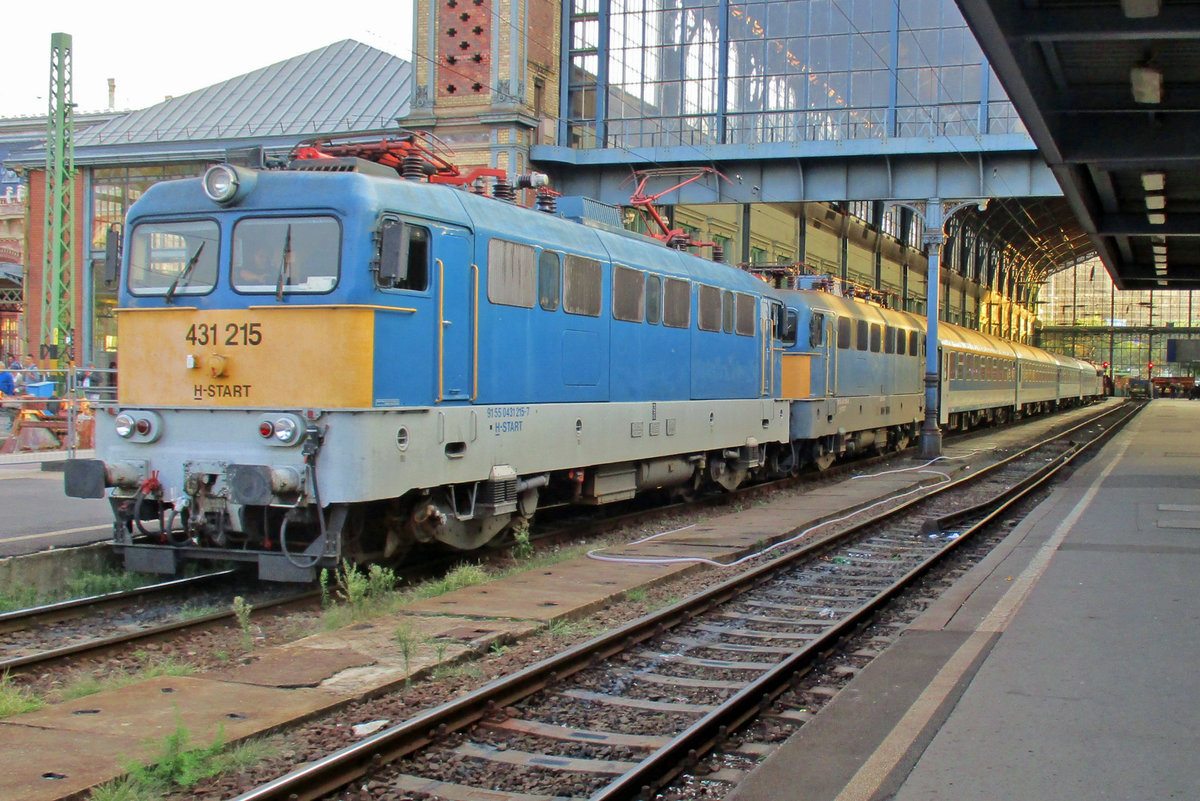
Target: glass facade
point(700, 72)
point(114, 189)
point(1084, 315)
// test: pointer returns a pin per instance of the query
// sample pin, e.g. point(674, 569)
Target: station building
point(832, 126)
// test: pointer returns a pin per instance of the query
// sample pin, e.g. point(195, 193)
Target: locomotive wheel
point(900, 439)
point(822, 457)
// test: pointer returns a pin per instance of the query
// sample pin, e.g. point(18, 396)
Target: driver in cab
point(258, 269)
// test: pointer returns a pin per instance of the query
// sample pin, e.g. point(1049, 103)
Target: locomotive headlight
point(124, 425)
point(280, 429)
point(286, 429)
point(225, 183)
point(138, 426)
point(221, 183)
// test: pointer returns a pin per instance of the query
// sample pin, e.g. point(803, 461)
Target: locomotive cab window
point(787, 321)
point(173, 258)
point(876, 336)
point(862, 335)
point(901, 341)
point(403, 256)
point(727, 311)
point(889, 339)
point(291, 254)
point(549, 280)
point(816, 329)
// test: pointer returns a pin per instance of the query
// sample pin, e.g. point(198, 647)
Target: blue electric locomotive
point(331, 362)
point(415, 363)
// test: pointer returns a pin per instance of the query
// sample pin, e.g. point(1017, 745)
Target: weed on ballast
point(15, 699)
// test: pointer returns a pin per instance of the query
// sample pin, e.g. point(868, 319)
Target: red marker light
point(265, 429)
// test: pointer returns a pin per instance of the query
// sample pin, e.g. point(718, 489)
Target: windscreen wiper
point(185, 272)
point(285, 269)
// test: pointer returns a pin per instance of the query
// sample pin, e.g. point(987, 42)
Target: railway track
point(619, 716)
point(32, 638)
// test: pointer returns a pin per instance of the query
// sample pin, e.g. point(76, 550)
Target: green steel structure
point(58, 308)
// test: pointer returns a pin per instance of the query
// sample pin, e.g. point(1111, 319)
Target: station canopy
point(1110, 92)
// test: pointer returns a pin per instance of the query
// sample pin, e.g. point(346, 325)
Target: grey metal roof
point(1110, 93)
point(342, 88)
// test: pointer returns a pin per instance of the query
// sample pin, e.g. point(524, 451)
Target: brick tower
point(487, 77)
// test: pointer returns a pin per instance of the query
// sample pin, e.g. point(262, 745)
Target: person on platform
point(18, 376)
point(89, 381)
point(8, 385)
point(32, 374)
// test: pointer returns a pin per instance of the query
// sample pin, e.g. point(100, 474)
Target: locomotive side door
point(457, 293)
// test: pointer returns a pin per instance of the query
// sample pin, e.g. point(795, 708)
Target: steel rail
point(19, 619)
point(334, 771)
point(21, 664)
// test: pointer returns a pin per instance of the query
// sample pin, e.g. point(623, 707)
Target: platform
point(1064, 666)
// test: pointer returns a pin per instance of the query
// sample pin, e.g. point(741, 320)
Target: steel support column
point(58, 240)
point(933, 237)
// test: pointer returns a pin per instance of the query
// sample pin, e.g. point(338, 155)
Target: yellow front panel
point(797, 371)
point(271, 356)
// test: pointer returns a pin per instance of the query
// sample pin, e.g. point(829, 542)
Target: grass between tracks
point(80, 584)
point(179, 764)
point(350, 595)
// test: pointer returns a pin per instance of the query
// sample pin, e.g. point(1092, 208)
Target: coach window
point(582, 279)
point(746, 316)
point(629, 294)
point(709, 313)
point(549, 279)
point(653, 299)
point(677, 303)
point(512, 274)
point(876, 336)
point(862, 337)
point(845, 336)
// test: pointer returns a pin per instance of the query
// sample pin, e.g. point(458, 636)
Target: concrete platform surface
point(1063, 666)
point(331, 668)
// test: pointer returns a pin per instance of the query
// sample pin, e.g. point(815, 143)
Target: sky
point(160, 49)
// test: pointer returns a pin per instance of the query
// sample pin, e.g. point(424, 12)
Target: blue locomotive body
point(411, 362)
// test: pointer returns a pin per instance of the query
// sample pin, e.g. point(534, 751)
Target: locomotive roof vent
point(342, 164)
point(591, 212)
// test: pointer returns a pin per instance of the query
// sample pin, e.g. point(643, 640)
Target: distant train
point(328, 361)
